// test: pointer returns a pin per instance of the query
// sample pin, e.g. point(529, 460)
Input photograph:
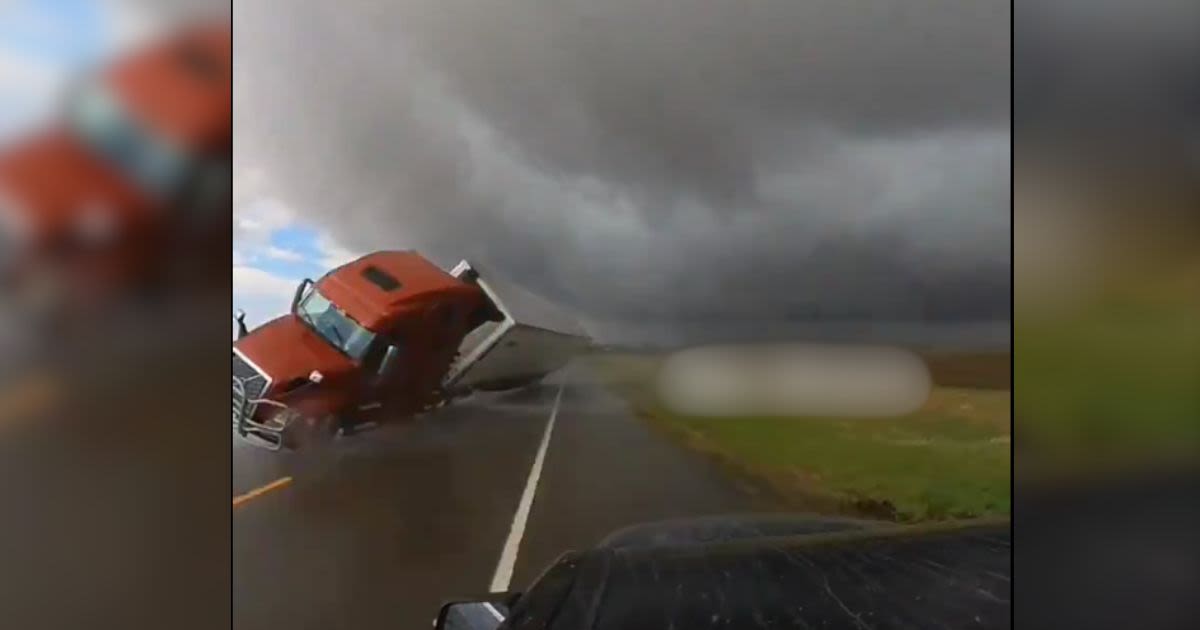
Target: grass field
point(950, 459)
point(1112, 382)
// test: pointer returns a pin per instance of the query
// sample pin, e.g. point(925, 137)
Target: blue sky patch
point(66, 33)
point(297, 238)
point(291, 252)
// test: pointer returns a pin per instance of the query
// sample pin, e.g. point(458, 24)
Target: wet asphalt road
point(379, 530)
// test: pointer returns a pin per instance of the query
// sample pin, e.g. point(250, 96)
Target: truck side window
point(373, 361)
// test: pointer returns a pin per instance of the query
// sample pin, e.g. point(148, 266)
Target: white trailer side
point(533, 338)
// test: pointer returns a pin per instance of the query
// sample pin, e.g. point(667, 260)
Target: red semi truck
point(386, 336)
point(132, 184)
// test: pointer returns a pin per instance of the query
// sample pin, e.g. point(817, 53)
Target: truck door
point(446, 321)
point(387, 375)
point(441, 320)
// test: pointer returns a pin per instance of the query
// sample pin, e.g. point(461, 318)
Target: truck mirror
point(240, 318)
point(389, 360)
point(301, 292)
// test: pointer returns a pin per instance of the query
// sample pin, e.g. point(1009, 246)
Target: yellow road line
point(278, 483)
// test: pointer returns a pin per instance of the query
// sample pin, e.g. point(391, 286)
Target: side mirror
point(474, 615)
point(389, 361)
point(301, 292)
point(240, 318)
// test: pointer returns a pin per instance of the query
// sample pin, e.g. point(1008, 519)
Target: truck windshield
point(105, 125)
point(334, 326)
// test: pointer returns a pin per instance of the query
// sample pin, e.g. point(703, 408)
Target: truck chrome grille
point(248, 386)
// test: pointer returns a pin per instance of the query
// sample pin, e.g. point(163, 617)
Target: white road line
point(508, 557)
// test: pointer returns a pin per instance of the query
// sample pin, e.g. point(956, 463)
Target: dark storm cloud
point(1108, 68)
point(692, 94)
point(677, 161)
point(164, 13)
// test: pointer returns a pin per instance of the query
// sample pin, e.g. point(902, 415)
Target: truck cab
point(387, 336)
point(372, 337)
point(133, 181)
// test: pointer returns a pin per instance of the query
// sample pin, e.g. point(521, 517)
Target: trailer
point(532, 338)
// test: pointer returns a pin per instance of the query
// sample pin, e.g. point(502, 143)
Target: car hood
point(807, 571)
point(286, 349)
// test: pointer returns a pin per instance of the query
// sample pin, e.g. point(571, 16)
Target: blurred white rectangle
point(794, 380)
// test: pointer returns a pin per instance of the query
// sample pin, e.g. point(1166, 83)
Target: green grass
point(1108, 381)
point(950, 459)
point(1118, 381)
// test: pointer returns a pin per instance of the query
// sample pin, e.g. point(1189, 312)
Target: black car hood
point(791, 573)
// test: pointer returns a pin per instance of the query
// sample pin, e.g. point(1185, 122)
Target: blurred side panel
point(114, 305)
point(1107, 313)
